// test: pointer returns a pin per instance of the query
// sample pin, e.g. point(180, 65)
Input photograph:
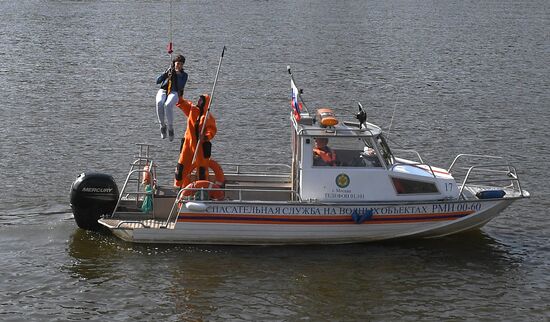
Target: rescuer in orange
point(196, 117)
point(322, 154)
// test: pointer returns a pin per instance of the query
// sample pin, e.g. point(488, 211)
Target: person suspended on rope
point(196, 118)
point(323, 155)
point(172, 83)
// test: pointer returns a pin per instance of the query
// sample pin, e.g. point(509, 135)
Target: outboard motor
point(92, 196)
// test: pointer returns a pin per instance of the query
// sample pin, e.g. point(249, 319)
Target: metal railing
point(408, 151)
point(236, 168)
point(492, 173)
point(478, 156)
point(511, 177)
point(137, 170)
point(181, 198)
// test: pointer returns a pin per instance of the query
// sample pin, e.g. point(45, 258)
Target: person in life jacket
point(323, 155)
point(172, 83)
point(196, 118)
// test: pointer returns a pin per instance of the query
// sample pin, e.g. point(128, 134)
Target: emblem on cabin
point(342, 180)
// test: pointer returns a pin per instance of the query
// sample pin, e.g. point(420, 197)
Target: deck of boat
point(134, 224)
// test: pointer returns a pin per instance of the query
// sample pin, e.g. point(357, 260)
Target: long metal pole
point(208, 109)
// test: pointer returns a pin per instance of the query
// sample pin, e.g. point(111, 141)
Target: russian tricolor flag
point(296, 106)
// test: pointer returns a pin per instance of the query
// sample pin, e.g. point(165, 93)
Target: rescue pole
point(199, 141)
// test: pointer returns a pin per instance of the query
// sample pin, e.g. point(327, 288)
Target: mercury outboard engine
point(92, 196)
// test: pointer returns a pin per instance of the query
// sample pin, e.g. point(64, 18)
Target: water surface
point(77, 81)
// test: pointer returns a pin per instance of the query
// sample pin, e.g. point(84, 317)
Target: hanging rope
point(170, 47)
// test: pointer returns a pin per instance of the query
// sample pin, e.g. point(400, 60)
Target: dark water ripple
point(78, 89)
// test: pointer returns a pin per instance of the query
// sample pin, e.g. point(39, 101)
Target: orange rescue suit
point(196, 115)
point(326, 154)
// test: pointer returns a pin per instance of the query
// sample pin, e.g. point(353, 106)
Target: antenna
point(391, 121)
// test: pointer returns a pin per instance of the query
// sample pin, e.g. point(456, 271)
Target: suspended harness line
point(170, 49)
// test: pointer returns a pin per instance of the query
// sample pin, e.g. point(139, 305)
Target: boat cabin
point(344, 161)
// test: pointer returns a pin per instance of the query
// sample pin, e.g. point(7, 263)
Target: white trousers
point(165, 107)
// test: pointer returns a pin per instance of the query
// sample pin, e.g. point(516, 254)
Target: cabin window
point(405, 186)
point(345, 152)
point(323, 153)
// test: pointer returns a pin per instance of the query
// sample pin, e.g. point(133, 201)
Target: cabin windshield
point(350, 152)
point(385, 150)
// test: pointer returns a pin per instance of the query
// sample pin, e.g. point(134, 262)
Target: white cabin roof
point(308, 126)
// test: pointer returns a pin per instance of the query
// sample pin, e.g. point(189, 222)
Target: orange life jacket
point(328, 156)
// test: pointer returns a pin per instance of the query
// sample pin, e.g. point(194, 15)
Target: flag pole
point(299, 90)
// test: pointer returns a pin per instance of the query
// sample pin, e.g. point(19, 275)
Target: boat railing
point(255, 168)
point(144, 151)
point(411, 151)
point(142, 166)
point(463, 156)
point(200, 195)
point(498, 174)
point(351, 129)
point(507, 177)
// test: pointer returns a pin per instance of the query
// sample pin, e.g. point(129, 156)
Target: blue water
point(77, 80)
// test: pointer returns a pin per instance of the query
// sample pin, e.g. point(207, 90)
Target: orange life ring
point(191, 189)
point(218, 174)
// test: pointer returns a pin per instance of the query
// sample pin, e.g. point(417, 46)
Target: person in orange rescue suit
point(323, 155)
point(196, 116)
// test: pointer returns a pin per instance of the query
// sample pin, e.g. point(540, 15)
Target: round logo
point(342, 180)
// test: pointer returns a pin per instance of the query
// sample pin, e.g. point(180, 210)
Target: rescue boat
point(370, 192)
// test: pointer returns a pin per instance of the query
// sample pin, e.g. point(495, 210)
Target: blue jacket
point(178, 81)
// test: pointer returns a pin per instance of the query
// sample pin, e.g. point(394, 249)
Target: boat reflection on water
point(196, 279)
point(94, 254)
point(301, 277)
point(94, 250)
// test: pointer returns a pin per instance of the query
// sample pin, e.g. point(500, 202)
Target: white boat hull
point(281, 224)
